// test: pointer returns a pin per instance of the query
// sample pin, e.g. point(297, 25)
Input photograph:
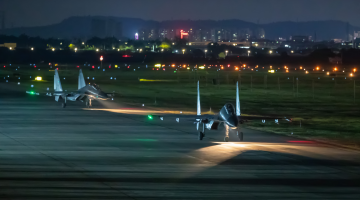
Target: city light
point(32, 48)
point(351, 74)
point(101, 58)
point(97, 49)
point(75, 49)
point(318, 68)
point(292, 51)
point(270, 52)
point(83, 43)
point(354, 70)
point(328, 73)
point(335, 69)
point(306, 72)
point(201, 67)
point(301, 67)
point(271, 71)
point(236, 68)
point(157, 65)
point(183, 51)
point(53, 49)
point(38, 78)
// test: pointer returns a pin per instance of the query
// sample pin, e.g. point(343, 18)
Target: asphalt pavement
point(47, 152)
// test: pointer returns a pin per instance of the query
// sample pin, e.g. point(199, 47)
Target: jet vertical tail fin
point(237, 100)
point(81, 80)
point(198, 108)
point(57, 83)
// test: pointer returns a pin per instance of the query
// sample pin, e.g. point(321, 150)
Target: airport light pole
point(205, 52)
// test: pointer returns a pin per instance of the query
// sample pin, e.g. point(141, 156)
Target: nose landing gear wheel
point(201, 135)
point(240, 136)
point(63, 105)
point(226, 139)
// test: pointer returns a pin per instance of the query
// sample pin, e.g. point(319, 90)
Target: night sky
point(45, 12)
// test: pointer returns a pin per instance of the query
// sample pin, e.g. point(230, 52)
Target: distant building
point(106, 28)
point(300, 38)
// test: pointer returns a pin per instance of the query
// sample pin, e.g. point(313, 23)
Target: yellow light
point(184, 66)
point(270, 67)
point(318, 68)
point(271, 71)
point(335, 69)
point(354, 69)
point(328, 73)
point(201, 67)
point(287, 71)
point(351, 74)
point(53, 49)
point(116, 66)
point(38, 78)
point(188, 68)
point(244, 65)
point(306, 72)
point(173, 65)
point(222, 67)
point(257, 66)
point(97, 49)
point(301, 67)
point(157, 65)
point(236, 68)
point(285, 67)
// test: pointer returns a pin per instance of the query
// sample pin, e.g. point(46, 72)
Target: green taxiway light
point(32, 92)
point(150, 117)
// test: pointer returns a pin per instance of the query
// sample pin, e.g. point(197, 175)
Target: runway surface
point(47, 152)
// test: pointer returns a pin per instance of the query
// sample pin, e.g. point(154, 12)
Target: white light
point(103, 70)
point(87, 77)
point(111, 78)
point(93, 78)
point(32, 85)
point(18, 83)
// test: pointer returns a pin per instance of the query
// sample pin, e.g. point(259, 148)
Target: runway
point(47, 152)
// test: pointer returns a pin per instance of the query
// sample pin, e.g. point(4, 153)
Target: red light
point(4, 66)
point(153, 68)
point(77, 66)
point(109, 67)
point(228, 65)
point(164, 69)
point(157, 69)
point(126, 56)
point(35, 66)
point(128, 67)
point(57, 68)
point(93, 67)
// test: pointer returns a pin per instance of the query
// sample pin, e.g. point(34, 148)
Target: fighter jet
point(228, 116)
point(85, 92)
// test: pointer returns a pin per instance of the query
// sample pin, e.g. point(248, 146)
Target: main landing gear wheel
point(226, 139)
point(201, 135)
point(240, 136)
point(63, 105)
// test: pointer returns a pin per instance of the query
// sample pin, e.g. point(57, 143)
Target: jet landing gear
point(240, 134)
point(201, 135)
point(63, 105)
point(88, 103)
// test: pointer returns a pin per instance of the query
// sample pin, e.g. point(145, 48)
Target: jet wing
point(251, 118)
